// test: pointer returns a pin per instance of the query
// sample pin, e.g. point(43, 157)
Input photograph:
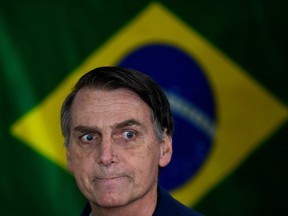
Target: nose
point(107, 154)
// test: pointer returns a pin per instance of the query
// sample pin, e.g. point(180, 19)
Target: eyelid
point(135, 133)
point(83, 135)
point(84, 140)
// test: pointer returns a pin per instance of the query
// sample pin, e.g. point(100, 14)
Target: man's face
point(113, 151)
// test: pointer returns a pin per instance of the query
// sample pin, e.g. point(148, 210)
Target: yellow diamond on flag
point(246, 113)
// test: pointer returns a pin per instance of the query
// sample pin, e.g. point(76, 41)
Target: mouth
point(109, 179)
point(110, 182)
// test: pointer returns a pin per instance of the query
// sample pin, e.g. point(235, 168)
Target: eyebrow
point(120, 125)
point(86, 129)
point(128, 122)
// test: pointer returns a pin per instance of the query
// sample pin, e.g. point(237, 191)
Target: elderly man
point(118, 130)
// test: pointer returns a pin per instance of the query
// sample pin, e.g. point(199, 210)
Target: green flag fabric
point(223, 66)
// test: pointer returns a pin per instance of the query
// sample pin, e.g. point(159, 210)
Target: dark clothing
point(166, 206)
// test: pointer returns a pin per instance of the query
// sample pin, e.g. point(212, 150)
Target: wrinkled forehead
point(109, 103)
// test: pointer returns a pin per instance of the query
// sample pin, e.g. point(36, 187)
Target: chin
point(111, 201)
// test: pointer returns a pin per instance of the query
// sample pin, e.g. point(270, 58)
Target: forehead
point(108, 105)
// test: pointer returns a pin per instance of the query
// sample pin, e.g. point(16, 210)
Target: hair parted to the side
point(112, 78)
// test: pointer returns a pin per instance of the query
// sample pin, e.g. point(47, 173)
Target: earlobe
point(165, 150)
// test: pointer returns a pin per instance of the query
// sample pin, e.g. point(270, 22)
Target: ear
point(68, 159)
point(165, 150)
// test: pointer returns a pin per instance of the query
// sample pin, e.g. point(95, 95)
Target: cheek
point(146, 164)
point(78, 162)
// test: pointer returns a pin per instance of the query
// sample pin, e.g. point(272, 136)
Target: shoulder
point(168, 206)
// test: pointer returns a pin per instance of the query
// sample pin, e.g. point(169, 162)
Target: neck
point(143, 206)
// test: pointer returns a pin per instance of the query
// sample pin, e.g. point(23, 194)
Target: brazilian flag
point(222, 64)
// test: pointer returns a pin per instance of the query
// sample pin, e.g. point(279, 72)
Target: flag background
point(42, 42)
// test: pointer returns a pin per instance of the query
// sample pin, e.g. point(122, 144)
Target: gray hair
point(112, 78)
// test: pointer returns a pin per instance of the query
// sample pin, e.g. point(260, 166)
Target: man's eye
point(87, 138)
point(129, 134)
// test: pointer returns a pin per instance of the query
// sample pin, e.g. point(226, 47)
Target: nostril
point(106, 154)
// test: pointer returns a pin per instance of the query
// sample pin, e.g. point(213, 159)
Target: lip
point(109, 179)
